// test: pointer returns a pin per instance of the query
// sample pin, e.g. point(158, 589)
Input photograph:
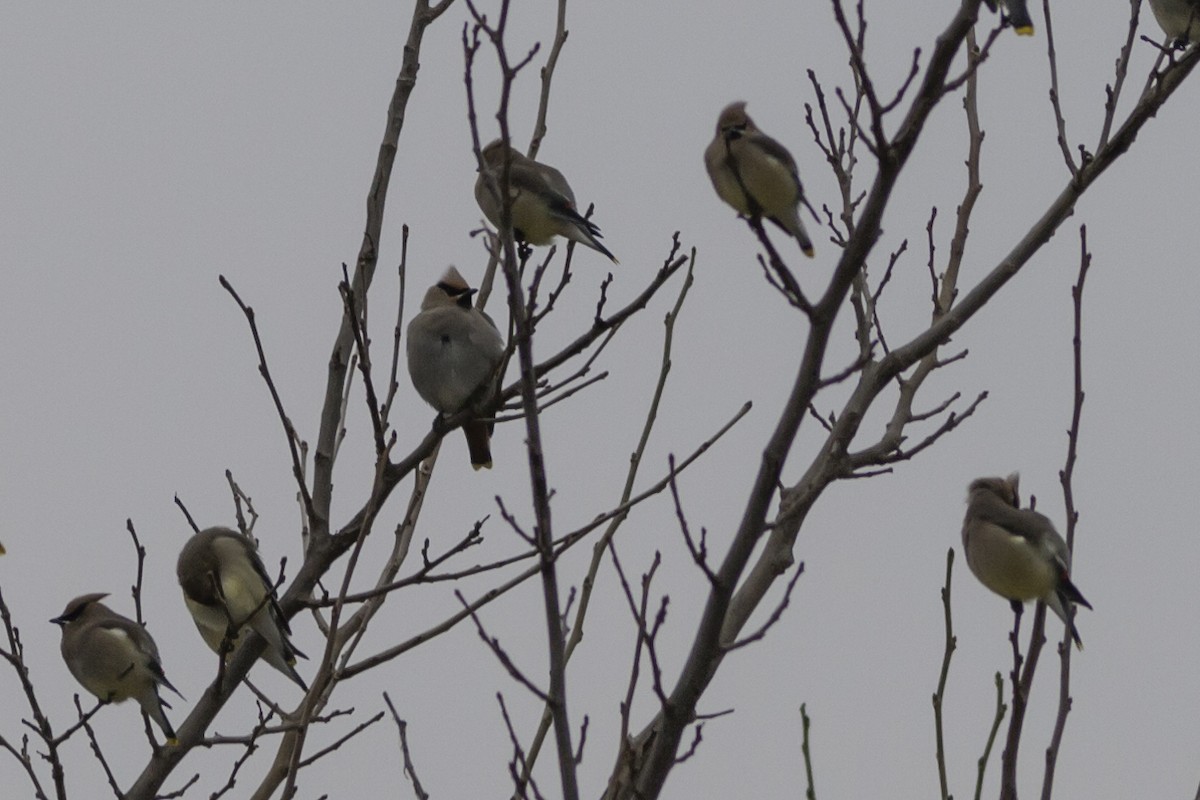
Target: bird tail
point(1018, 16)
point(280, 653)
point(161, 678)
point(152, 704)
point(479, 443)
point(285, 664)
point(1071, 592)
point(582, 230)
point(793, 227)
point(1063, 604)
point(1074, 631)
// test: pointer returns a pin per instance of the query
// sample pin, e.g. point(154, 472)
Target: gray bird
point(543, 205)
point(114, 658)
point(454, 351)
point(1016, 552)
point(1179, 19)
point(227, 588)
point(1017, 13)
point(755, 174)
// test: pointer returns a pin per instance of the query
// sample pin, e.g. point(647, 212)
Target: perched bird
point(756, 174)
point(227, 591)
point(1179, 19)
point(543, 205)
point(1016, 552)
point(114, 658)
point(454, 350)
point(1017, 13)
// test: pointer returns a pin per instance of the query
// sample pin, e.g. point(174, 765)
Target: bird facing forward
point(755, 174)
point(454, 350)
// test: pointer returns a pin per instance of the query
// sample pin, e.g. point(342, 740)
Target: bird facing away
point(226, 588)
point(1017, 13)
point(114, 658)
point(454, 351)
point(543, 205)
point(755, 174)
point(1179, 19)
point(1016, 552)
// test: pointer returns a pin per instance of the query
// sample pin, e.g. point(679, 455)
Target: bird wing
point(776, 152)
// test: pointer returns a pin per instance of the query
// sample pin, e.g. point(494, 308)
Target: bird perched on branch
point(1016, 552)
point(1017, 13)
point(228, 591)
point(755, 174)
point(454, 350)
point(114, 657)
point(543, 205)
point(1179, 19)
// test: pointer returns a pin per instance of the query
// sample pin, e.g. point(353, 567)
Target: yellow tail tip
point(1025, 30)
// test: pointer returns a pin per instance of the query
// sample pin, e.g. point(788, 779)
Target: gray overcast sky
point(147, 149)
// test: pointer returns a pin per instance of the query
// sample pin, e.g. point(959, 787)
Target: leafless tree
point(867, 133)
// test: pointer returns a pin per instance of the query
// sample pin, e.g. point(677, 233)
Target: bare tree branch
point(939, 696)
point(409, 769)
point(1065, 477)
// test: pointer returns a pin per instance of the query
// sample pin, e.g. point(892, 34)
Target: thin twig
point(1065, 478)
point(498, 651)
point(997, 718)
point(96, 751)
point(810, 793)
point(288, 429)
point(409, 769)
point(939, 696)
